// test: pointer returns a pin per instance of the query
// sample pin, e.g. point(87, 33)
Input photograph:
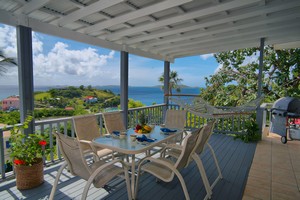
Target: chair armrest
point(94, 150)
point(174, 146)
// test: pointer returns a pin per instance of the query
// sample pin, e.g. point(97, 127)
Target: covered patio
point(234, 156)
point(273, 174)
point(163, 30)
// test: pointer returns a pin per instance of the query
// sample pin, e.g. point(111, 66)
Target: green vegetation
point(10, 118)
point(236, 83)
point(134, 104)
point(251, 132)
point(71, 101)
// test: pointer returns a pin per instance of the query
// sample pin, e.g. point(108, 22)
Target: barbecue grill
point(285, 118)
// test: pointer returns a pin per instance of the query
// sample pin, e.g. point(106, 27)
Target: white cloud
point(61, 65)
point(8, 42)
point(206, 56)
point(85, 62)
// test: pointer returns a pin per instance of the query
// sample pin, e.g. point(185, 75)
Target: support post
point(124, 86)
point(259, 111)
point(25, 72)
point(166, 85)
point(261, 63)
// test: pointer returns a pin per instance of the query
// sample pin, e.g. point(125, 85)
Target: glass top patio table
point(126, 146)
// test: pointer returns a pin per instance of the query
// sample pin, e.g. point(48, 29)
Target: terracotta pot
point(28, 177)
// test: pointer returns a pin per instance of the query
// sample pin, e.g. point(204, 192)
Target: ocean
point(147, 95)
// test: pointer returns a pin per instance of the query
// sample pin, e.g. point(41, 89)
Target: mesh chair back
point(86, 128)
point(204, 137)
point(187, 149)
point(69, 147)
point(113, 121)
point(175, 119)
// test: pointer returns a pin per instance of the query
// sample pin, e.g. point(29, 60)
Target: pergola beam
point(90, 9)
point(181, 18)
point(32, 6)
point(230, 37)
point(251, 12)
point(136, 14)
point(282, 38)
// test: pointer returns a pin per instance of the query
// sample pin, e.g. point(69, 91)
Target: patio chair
point(87, 129)
point(113, 121)
point(175, 119)
point(175, 151)
point(98, 173)
point(165, 169)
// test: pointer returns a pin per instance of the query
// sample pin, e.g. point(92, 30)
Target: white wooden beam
point(289, 45)
point(184, 17)
point(252, 12)
point(257, 23)
point(259, 31)
point(37, 25)
point(90, 9)
point(238, 44)
point(32, 6)
point(136, 14)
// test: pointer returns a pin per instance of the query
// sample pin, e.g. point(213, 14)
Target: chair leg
point(137, 182)
point(203, 175)
point(183, 185)
point(89, 182)
point(217, 165)
point(128, 184)
point(51, 197)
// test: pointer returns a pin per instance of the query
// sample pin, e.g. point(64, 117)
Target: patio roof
point(162, 30)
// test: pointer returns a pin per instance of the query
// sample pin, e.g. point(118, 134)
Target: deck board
point(235, 158)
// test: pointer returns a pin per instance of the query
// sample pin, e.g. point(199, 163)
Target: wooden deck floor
point(235, 158)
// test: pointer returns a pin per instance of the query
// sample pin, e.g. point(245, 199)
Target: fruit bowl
point(142, 129)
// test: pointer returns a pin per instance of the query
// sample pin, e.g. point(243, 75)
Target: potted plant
point(26, 154)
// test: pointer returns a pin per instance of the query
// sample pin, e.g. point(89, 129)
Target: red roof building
point(11, 103)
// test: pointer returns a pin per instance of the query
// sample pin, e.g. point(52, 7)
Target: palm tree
point(4, 62)
point(174, 82)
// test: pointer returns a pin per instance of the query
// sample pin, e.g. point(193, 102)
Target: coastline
point(146, 94)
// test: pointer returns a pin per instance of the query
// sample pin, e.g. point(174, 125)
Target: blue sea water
point(147, 95)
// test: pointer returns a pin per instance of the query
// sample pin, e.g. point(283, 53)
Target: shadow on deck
point(235, 158)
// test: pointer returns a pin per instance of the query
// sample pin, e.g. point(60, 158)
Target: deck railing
point(155, 113)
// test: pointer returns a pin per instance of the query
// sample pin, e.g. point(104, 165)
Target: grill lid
point(287, 104)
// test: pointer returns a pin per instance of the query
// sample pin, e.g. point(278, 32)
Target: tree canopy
point(236, 82)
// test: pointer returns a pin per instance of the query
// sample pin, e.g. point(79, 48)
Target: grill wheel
point(283, 139)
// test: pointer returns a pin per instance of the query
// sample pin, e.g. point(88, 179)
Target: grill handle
point(281, 112)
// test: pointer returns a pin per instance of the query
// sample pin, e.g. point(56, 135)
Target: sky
point(58, 61)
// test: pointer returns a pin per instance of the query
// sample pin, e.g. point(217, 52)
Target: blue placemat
point(144, 138)
point(167, 130)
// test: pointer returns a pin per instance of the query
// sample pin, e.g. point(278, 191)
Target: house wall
point(11, 102)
